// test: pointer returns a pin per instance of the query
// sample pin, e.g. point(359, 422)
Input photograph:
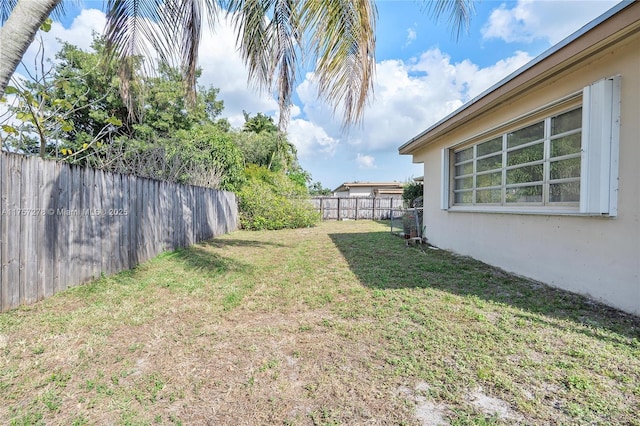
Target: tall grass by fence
point(63, 225)
point(341, 208)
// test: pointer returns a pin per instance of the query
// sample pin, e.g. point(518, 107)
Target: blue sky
point(423, 73)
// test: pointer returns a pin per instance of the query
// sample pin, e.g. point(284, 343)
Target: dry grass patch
point(338, 324)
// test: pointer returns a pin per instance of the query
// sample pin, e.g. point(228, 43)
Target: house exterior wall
point(595, 256)
point(364, 191)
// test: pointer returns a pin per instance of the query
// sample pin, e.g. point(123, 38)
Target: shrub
point(411, 191)
point(270, 200)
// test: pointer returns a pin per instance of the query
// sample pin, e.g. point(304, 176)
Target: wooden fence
point(341, 208)
point(63, 225)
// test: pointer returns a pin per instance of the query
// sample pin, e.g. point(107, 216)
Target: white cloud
point(411, 36)
point(529, 20)
point(365, 161)
point(476, 80)
point(222, 67)
point(78, 34)
point(409, 97)
point(310, 139)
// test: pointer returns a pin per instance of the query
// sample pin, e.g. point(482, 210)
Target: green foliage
point(271, 200)
point(212, 150)
point(316, 188)
point(411, 191)
point(270, 149)
point(81, 78)
point(258, 123)
point(257, 148)
point(163, 109)
point(150, 132)
point(300, 177)
point(88, 115)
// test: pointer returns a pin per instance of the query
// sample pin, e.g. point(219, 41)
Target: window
point(565, 161)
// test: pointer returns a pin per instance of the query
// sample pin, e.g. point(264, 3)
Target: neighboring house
point(369, 189)
point(388, 192)
point(540, 174)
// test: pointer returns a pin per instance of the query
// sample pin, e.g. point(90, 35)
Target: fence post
point(373, 215)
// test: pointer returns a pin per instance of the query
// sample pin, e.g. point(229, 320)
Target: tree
point(258, 123)
point(316, 188)
point(272, 35)
point(71, 104)
point(411, 191)
point(18, 31)
point(49, 100)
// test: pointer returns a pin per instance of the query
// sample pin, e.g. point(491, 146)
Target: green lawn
point(338, 324)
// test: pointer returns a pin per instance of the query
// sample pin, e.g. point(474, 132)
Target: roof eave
point(525, 77)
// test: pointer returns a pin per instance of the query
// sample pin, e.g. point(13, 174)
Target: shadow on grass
point(383, 261)
point(200, 258)
point(227, 242)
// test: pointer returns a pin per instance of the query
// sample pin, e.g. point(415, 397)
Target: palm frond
point(460, 13)
point(189, 17)
point(250, 18)
point(170, 29)
point(134, 27)
point(6, 7)
point(286, 42)
point(343, 41)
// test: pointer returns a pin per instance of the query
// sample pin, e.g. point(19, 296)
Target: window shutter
point(600, 145)
point(444, 180)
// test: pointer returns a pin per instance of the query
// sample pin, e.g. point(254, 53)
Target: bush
point(411, 191)
point(270, 200)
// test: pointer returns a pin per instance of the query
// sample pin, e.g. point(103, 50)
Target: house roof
point(381, 185)
point(389, 191)
point(614, 25)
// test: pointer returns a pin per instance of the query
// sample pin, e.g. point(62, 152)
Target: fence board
point(57, 242)
point(85, 237)
point(3, 230)
point(132, 245)
point(25, 231)
point(29, 222)
point(13, 231)
point(62, 225)
point(122, 203)
point(44, 192)
point(341, 208)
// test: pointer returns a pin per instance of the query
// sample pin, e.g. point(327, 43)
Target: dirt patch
point(427, 412)
point(493, 406)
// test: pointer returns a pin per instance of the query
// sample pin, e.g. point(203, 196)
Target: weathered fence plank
point(28, 218)
point(341, 208)
point(43, 198)
point(63, 225)
point(13, 231)
point(3, 231)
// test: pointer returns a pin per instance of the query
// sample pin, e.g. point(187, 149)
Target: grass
point(339, 324)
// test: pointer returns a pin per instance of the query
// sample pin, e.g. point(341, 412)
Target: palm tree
point(272, 35)
point(21, 20)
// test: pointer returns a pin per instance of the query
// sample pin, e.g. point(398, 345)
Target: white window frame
point(599, 175)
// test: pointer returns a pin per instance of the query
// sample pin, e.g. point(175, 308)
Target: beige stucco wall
point(598, 257)
point(364, 191)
